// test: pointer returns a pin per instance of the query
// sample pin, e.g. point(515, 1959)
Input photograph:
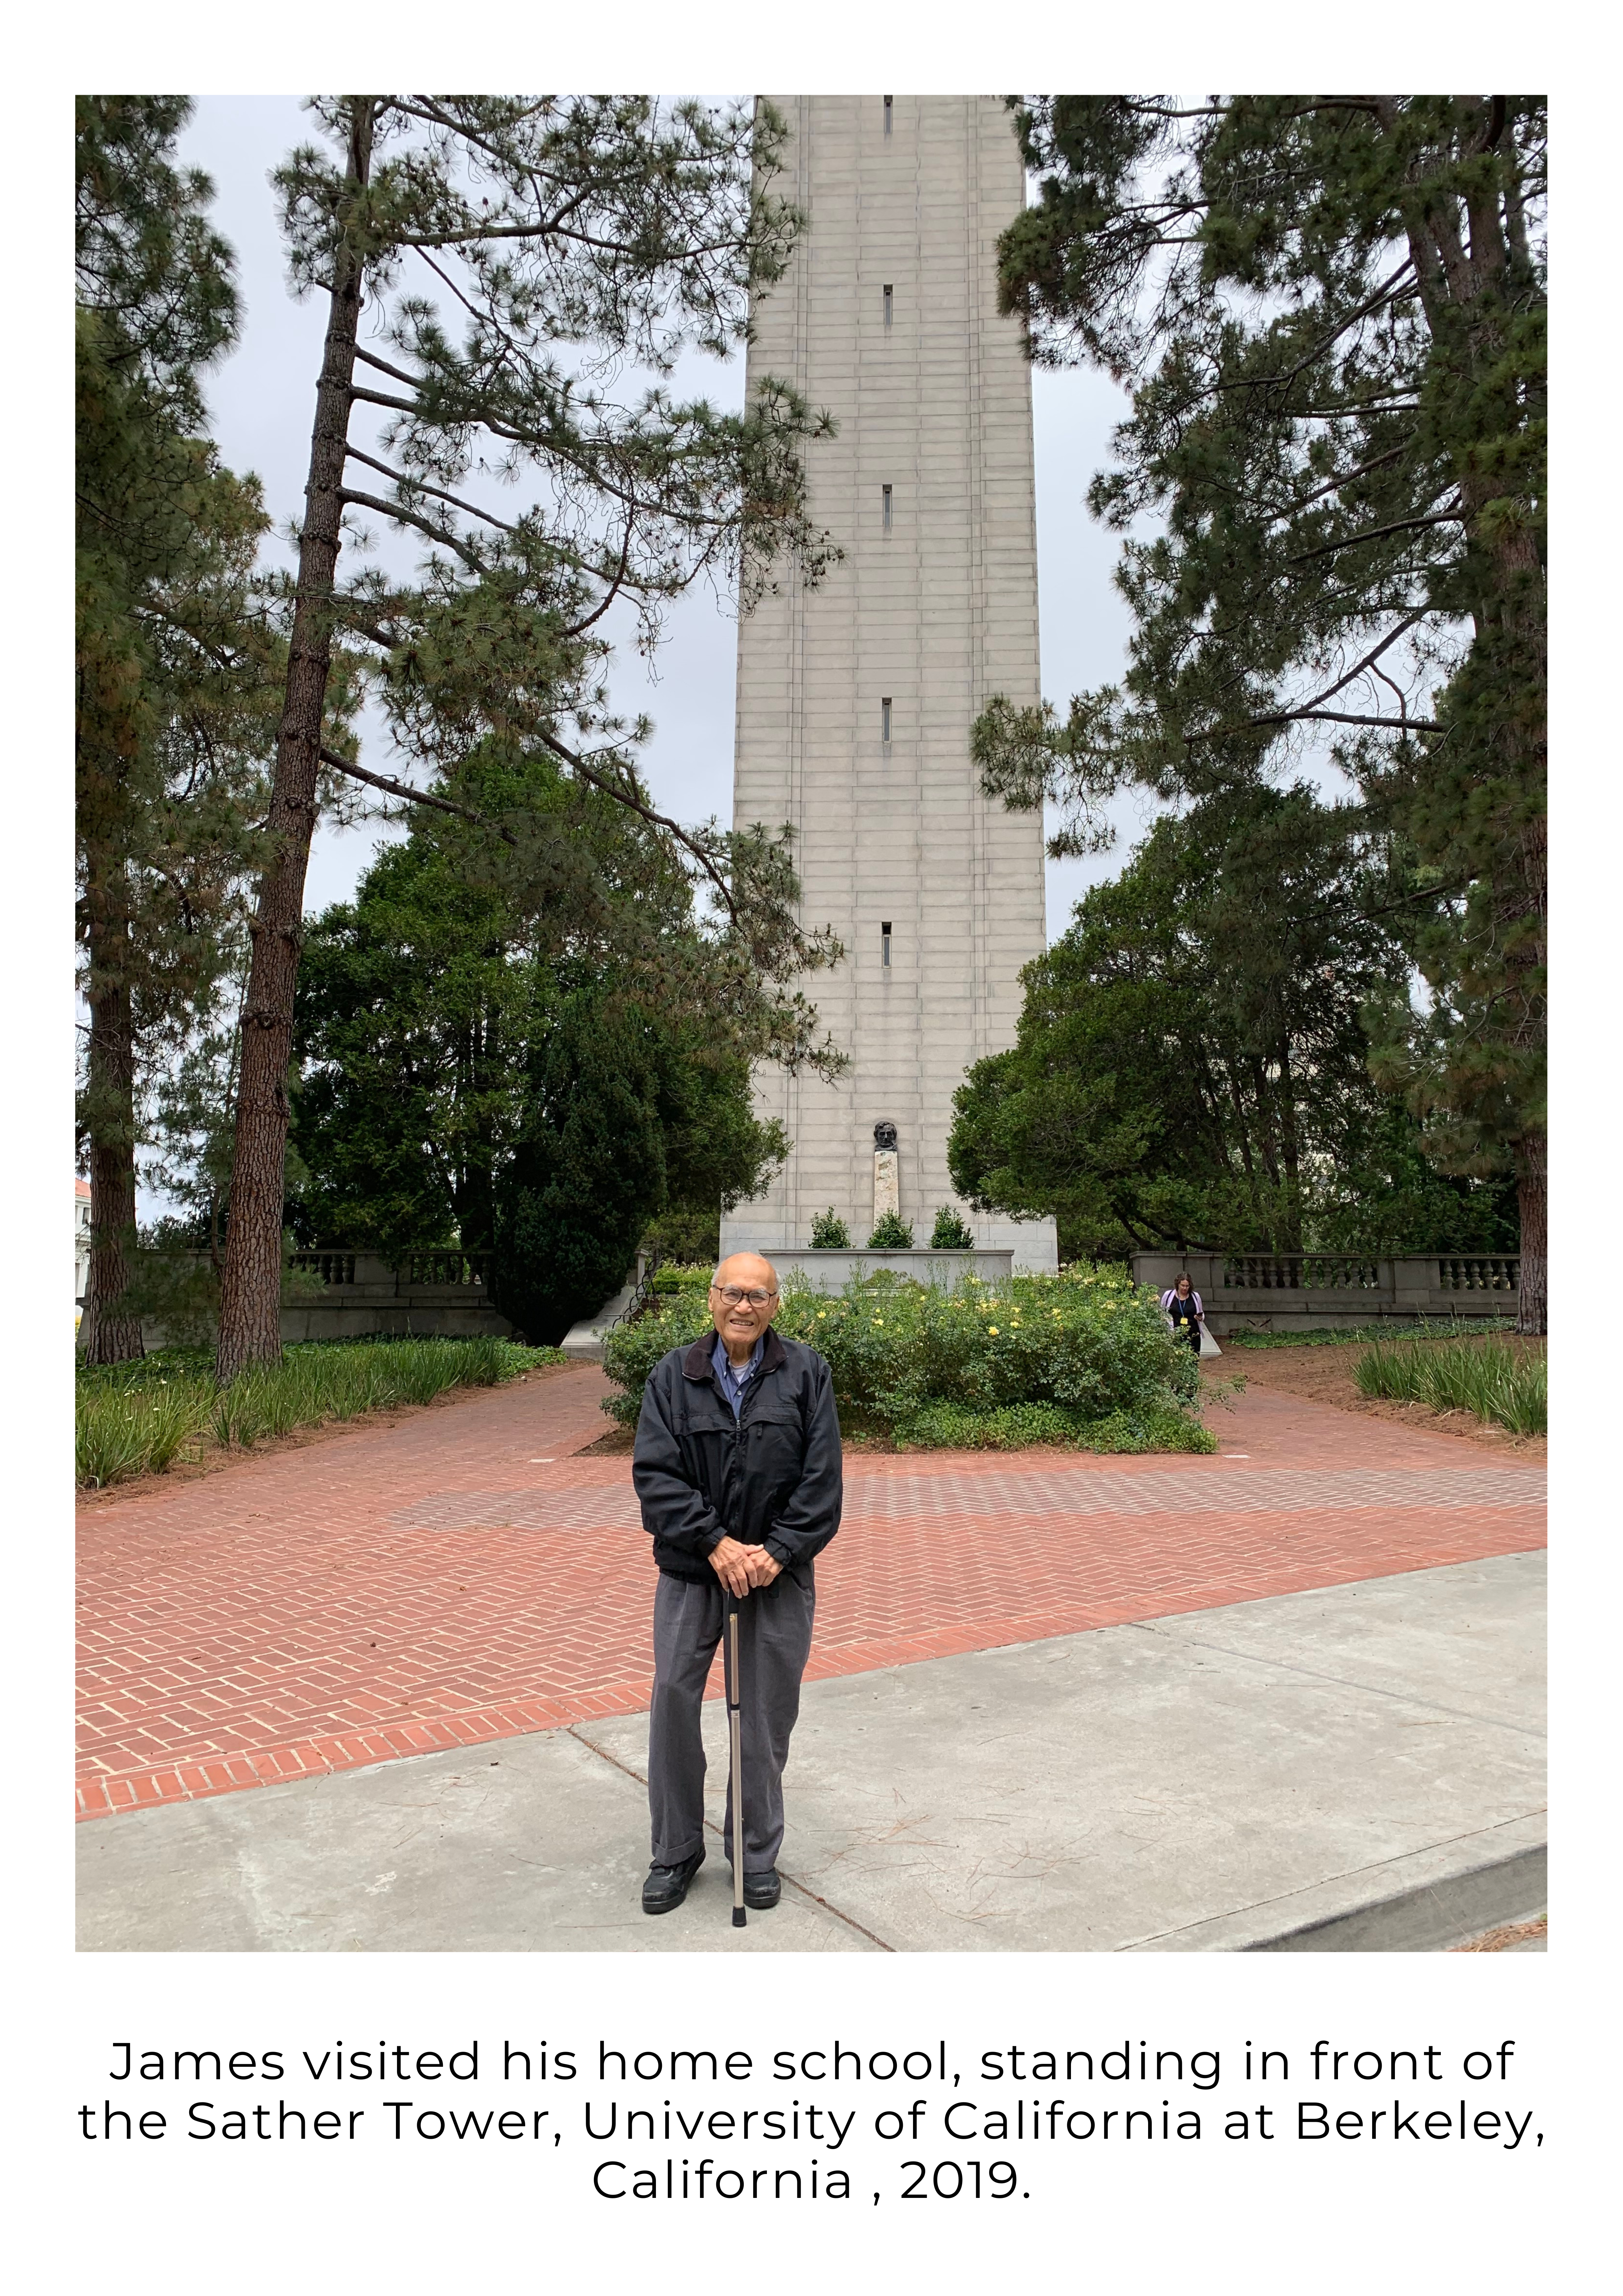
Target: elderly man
point(737, 1467)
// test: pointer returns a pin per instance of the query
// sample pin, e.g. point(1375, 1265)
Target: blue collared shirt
point(733, 1382)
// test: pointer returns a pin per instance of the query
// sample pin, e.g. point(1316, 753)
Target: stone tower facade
point(856, 699)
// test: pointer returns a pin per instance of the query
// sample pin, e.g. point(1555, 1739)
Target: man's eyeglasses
point(733, 1293)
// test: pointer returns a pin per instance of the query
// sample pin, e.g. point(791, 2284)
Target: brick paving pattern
point(465, 1576)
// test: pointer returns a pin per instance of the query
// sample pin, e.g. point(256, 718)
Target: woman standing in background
point(1183, 1304)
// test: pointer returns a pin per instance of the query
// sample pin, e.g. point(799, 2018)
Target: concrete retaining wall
point(831, 1271)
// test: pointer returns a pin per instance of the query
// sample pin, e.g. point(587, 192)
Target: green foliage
point(120, 1431)
point(580, 238)
point(949, 1232)
point(1091, 1347)
point(1494, 1379)
point(412, 1008)
point(176, 659)
point(674, 1275)
point(138, 1418)
point(684, 1238)
point(1190, 1064)
point(1331, 311)
point(892, 1232)
point(1358, 1335)
point(518, 259)
point(829, 1232)
point(1015, 1426)
point(623, 1113)
point(474, 1070)
point(174, 1285)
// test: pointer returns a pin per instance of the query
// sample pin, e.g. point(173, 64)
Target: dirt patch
point(297, 1438)
point(618, 1443)
point(1325, 1374)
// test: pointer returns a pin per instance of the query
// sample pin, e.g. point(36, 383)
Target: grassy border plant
point(138, 1418)
point(1499, 1383)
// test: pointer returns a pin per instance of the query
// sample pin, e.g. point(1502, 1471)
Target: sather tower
point(856, 700)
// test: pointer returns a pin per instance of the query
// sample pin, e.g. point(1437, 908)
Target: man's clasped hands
point(739, 1568)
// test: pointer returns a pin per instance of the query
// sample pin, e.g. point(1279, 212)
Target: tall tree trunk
point(1511, 618)
point(251, 1286)
point(1533, 1302)
point(111, 1334)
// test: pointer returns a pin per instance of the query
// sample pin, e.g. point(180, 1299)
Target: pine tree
point(174, 657)
point(511, 254)
point(1191, 1066)
point(1331, 310)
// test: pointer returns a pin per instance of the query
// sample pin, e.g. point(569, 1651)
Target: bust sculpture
point(884, 1134)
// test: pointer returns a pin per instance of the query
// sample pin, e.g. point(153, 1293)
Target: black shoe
point(667, 1885)
point(762, 1890)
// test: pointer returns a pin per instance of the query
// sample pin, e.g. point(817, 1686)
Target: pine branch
point(451, 539)
point(414, 796)
point(422, 487)
point(633, 803)
point(1376, 534)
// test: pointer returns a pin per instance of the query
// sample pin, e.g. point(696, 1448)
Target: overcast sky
point(261, 399)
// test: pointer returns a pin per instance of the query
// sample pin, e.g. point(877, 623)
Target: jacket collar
point(696, 1362)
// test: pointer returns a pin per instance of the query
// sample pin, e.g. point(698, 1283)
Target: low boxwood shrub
point(1088, 1351)
point(949, 1232)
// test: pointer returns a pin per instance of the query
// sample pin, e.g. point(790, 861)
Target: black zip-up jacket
point(772, 1478)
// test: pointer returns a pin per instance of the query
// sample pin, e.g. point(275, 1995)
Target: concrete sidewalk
point(1358, 1766)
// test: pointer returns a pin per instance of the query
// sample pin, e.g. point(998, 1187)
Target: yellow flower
point(823, 1315)
point(992, 1329)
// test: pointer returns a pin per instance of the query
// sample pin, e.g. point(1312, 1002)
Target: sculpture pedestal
point(887, 1184)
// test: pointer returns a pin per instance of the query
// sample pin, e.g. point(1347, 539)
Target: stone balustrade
point(440, 1293)
point(1284, 1290)
point(335, 1294)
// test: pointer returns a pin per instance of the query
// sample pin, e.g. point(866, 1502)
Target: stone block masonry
point(856, 700)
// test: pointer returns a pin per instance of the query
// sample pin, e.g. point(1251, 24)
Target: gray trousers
point(774, 1631)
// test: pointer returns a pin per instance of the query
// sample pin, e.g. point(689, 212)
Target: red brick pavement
point(463, 1575)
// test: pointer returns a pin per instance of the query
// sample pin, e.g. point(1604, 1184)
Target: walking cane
point(735, 1765)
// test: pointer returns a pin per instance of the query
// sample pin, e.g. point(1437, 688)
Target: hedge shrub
point(1083, 1357)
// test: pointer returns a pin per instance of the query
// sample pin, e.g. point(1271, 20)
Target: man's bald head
point(748, 1268)
point(741, 1320)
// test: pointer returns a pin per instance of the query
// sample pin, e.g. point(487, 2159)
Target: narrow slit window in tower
point(885, 493)
point(890, 112)
point(884, 720)
point(884, 945)
point(890, 304)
